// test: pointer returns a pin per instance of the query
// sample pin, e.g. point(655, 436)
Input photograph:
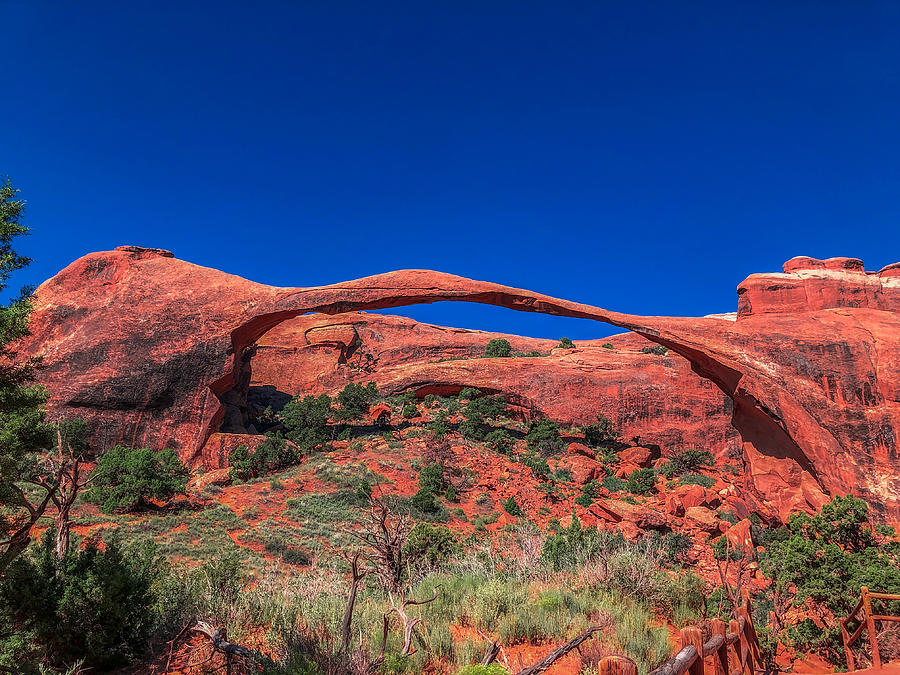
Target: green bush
point(658, 349)
point(565, 343)
point(273, 454)
point(500, 440)
point(354, 400)
point(450, 494)
point(687, 461)
point(431, 477)
point(601, 433)
point(512, 508)
point(608, 345)
point(543, 436)
point(428, 546)
point(589, 492)
point(498, 347)
point(478, 669)
point(92, 605)
point(538, 465)
point(614, 483)
point(306, 421)
point(125, 478)
point(642, 481)
point(409, 411)
point(696, 479)
point(824, 560)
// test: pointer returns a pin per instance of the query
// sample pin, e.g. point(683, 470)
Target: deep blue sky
point(641, 156)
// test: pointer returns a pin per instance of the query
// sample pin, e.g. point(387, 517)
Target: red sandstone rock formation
point(155, 350)
point(656, 398)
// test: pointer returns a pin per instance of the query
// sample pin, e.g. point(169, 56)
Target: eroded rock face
point(655, 398)
point(155, 351)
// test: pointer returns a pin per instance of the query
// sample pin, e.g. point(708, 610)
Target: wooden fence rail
point(866, 622)
point(735, 648)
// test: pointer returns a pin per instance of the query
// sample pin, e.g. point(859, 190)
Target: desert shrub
point(125, 478)
point(468, 394)
point(498, 347)
point(601, 433)
point(273, 454)
point(450, 494)
point(409, 411)
point(589, 492)
point(429, 400)
point(537, 464)
point(438, 428)
point(569, 547)
point(431, 477)
point(500, 440)
point(424, 506)
point(512, 508)
point(696, 479)
point(430, 545)
point(608, 345)
point(824, 560)
point(687, 461)
point(543, 436)
point(354, 400)
point(614, 483)
point(642, 481)
point(565, 343)
point(94, 605)
point(658, 349)
point(306, 421)
point(478, 669)
point(563, 475)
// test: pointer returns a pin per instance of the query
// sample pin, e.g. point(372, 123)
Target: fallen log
point(558, 653)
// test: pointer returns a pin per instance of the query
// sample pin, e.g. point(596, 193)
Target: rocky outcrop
point(655, 398)
point(156, 351)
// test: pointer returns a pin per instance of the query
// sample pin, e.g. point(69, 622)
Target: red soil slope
point(156, 350)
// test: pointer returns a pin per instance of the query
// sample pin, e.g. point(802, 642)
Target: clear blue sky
point(641, 156)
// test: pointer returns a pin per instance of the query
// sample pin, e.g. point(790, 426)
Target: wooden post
point(718, 628)
point(617, 665)
point(845, 635)
point(692, 635)
point(737, 658)
point(870, 627)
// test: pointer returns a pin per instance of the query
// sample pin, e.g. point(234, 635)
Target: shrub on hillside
point(614, 483)
point(687, 461)
point(306, 421)
point(498, 347)
point(824, 560)
point(500, 440)
point(696, 479)
point(565, 343)
point(273, 454)
point(410, 411)
point(642, 481)
point(658, 350)
point(125, 478)
point(543, 436)
point(428, 546)
point(512, 508)
point(92, 605)
point(601, 433)
point(354, 400)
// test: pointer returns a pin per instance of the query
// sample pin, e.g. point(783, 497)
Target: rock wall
point(147, 346)
point(656, 398)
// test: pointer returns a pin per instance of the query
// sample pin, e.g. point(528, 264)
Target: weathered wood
point(693, 636)
point(491, 654)
point(718, 630)
point(617, 665)
point(220, 644)
point(734, 628)
point(851, 660)
point(558, 653)
point(679, 663)
point(357, 575)
point(870, 625)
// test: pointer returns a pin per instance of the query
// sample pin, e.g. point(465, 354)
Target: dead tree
point(736, 593)
point(384, 535)
point(68, 464)
point(559, 652)
point(358, 575)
